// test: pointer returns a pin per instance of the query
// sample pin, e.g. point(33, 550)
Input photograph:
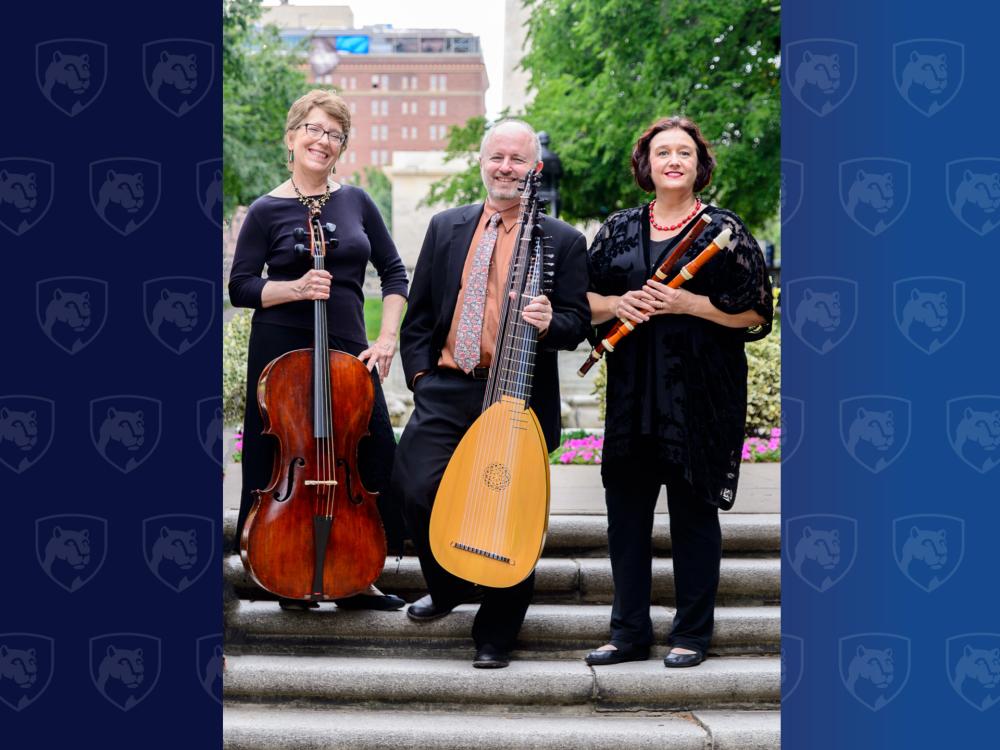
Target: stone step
point(250, 728)
point(549, 630)
point(570, 685)
point(742, 533)
point(585, 579)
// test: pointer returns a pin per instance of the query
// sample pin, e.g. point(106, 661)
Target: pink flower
point(586, 455)
point(567, 457)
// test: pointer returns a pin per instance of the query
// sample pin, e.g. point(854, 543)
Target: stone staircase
point(329, 678)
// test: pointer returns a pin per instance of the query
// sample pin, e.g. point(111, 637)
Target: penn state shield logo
point(974, 430)
point(209, 423)
point(125, 192)
point(972, 661)
point(71, 548)
point(125, 429)
point(875, 429)
point(208, 187)
point(71, 310)
point(928, 548)
point(26, 190)
point(973, 190)
point(792, 181)
point(874, 667)
point(208, 665)
point(821, 72)
point(874, 192)
point(178, 548)
point(179, 310)
point(928, 310)
point(125, 667)
point(178, 72)
point(792, 664)
point(71, 72)
point(793, 422)
point(27, 662)
point(928, 72)
point(27, 425)
point(821, 548)
point(821, 310)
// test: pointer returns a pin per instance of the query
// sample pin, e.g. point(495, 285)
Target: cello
point(314, 533)
point(491, 512)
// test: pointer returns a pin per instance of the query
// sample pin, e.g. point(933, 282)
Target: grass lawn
point(373, 317)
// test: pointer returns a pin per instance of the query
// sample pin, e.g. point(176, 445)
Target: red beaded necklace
point(678, 225)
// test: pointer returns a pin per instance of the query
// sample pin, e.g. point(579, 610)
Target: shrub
point(235, 340)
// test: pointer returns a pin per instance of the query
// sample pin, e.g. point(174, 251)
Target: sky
point(485, 19)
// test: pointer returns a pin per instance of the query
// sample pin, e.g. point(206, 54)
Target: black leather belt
point(477, 373)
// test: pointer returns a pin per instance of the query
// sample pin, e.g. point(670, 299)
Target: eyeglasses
point(315, 131)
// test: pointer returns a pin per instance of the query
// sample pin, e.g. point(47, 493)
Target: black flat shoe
point(424, 610)
point(297, 605)
point(380, 602)
point(683, 660)
point(623, 653)
point(489, 657)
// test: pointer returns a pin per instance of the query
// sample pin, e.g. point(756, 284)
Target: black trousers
point(446, 403)
point(696, 540)
point(375, 452)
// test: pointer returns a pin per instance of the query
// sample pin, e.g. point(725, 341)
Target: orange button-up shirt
point(496, 281)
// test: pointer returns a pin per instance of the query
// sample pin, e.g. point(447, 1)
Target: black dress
point(266, 238)
point(677, 385)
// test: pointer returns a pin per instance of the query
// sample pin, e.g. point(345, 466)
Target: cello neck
point(322, 408)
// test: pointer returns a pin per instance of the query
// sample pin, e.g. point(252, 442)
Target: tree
point(380, 189)
point(261, 78)
point(605, 69)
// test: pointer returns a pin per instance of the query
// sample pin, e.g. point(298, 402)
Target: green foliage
point(261, 78)
point(380, 189)
point(604, 70)
point(235, 341)
point(466, 186)
point(373, 317)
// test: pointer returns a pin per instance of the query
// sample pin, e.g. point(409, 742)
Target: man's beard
point(503, 192)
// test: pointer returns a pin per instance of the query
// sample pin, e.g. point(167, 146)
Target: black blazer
point(437, 279)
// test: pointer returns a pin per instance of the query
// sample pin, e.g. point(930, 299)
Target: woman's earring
point(334, 168)
point(291, 156)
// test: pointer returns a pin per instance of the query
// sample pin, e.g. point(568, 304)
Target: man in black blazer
point(448, 397)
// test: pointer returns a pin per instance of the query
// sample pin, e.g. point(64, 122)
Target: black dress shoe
point(381, 602)
point(424, 610)
point(624, 652)
point(683, 660)
point(297, 605)
point(490, 657)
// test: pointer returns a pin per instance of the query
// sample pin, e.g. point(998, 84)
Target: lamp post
point(551, 172)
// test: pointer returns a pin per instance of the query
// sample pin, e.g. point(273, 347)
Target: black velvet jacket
point(677, 385)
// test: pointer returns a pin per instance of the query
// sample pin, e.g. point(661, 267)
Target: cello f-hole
point(298, 461)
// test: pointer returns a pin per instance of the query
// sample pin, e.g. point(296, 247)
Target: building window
point(405, 81)
point(432, 132)
point(374, 107)
point(374, 132)
point(385, 132)
point(385, 106)
point(354, 82)
point(443, 82)
point(443, 108)
point(354, 108)
point(385, 82)
point(404, 132)
point(413, 108)
point(413, 82)
point(374, 156)
point(406, 106)
point(343, 82)
point(434, 108)
point(442, 132)
point(385, 157)
point(413, 133)
point(351, 157)
point(374, 81)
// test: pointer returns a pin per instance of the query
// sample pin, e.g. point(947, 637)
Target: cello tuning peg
point(300, 249)
point(329, 227)
point(299, 233)
point(332, 242)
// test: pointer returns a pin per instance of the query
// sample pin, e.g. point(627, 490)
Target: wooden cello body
point(491, 512)
point(314, 533)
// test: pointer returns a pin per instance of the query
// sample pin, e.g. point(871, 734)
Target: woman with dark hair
point(316, 131)
point(676, 388)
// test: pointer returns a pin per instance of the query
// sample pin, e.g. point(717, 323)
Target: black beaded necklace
point(315, 205)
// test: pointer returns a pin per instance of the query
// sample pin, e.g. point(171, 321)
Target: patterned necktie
point(470, 324)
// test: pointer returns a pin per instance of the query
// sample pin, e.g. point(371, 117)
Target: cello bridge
point(313, 482)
